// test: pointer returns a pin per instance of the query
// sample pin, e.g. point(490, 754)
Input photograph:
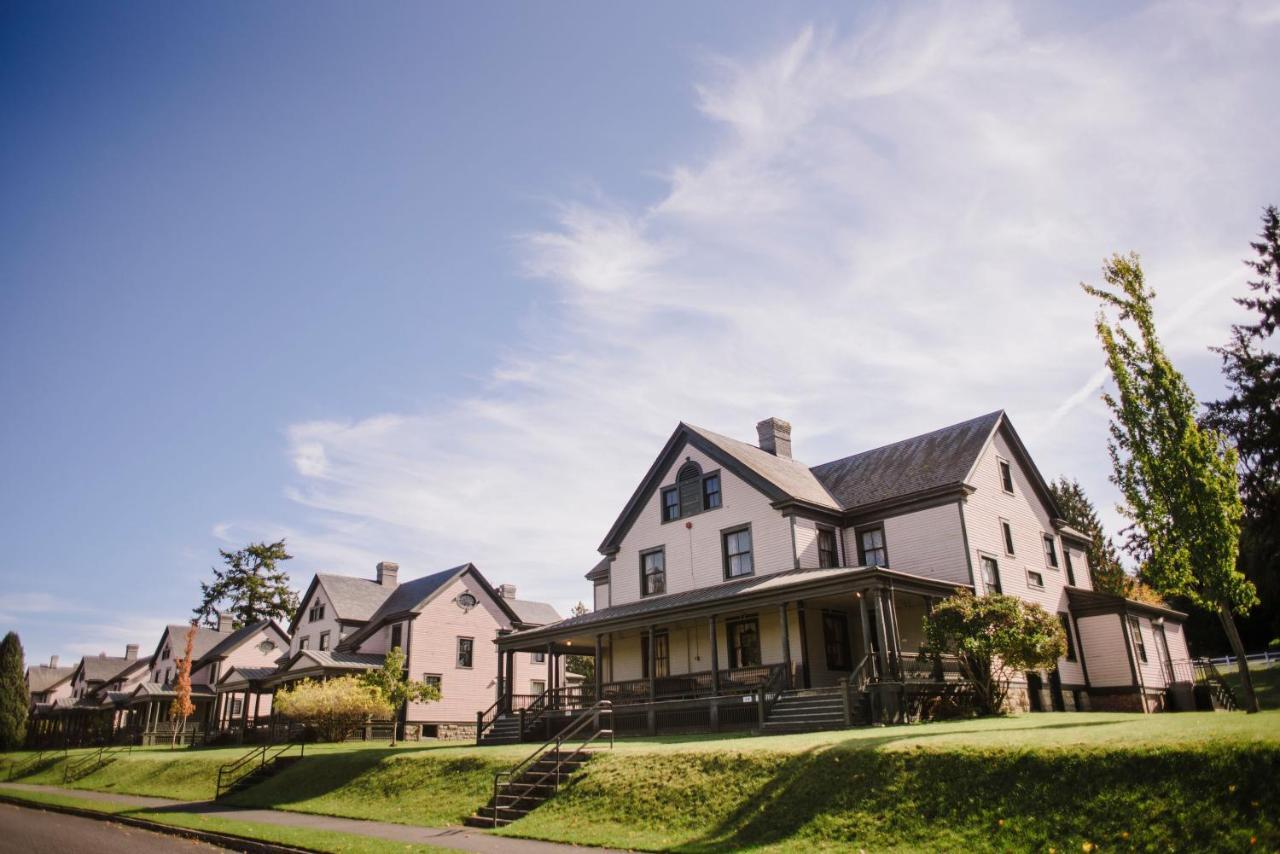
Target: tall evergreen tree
point(1178, 479)
point(252, 585)
point(13, 694)
point(1250, 418)
point(1104, 561)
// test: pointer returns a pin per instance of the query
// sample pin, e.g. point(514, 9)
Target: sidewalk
point(445, 837)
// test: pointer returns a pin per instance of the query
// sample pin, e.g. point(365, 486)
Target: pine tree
point(1250, 418)
point(13, 694)
point(252, 584)
point(182, 708)
point(1178, 479)
point(1104, 561)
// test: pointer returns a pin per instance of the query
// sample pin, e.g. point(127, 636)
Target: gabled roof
point(600, 572)
point(412, 596)
point(334, 659)
point(925, 463)
point(107, 668)
point(42, 677)
point(236, 639)
point(354, 600)
point(533, 613)
point(791, 477)
point(206, 639)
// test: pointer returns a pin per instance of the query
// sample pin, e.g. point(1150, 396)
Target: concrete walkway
point(460, 838)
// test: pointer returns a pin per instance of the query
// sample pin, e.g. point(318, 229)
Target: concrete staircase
point(505, 730)
point(812, 710)
point(259, 774)
point(519, 797)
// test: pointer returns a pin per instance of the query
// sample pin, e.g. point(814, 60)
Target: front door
point(835, 639)
point(1162, 651)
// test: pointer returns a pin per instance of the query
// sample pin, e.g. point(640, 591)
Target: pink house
point(735, 571)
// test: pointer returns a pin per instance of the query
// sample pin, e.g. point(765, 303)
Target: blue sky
point(433, 283)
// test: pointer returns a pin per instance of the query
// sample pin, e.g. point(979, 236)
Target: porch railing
point(920, 667)
point(771, 691)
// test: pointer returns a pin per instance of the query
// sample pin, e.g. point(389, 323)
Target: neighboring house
point(94, 707)
point(215, 650)
point(47, 684)
point(734, 567)
point(445, 623)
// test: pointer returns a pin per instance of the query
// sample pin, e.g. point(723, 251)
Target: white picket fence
point(1264, 659)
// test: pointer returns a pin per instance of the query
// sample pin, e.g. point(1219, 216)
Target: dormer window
point(693, 493)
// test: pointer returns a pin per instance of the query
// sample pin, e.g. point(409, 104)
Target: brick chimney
point(507, 591)
point(53, 661)
point(226, 622)
point(388, 573)
point(775, 437)
point(131, 651)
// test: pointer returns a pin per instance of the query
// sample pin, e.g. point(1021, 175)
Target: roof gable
point(778, 478)
point(206, 639)
point(42, 677)
point(238, 638)
point(1019, 450)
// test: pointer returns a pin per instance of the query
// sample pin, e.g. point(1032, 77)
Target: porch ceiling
point(774, 588)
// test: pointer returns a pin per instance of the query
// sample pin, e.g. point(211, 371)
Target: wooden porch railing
point(919, 667)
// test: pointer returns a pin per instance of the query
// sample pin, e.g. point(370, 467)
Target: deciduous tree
point(13, 693)
point(994, 637)
point(182, 708)
point(252, 586)
point(392, 684)
point(1178, 479)
point(336, 708)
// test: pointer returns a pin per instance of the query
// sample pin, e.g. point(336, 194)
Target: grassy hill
point(1196, 781)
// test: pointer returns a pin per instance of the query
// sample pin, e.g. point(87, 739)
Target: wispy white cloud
point(887, 235)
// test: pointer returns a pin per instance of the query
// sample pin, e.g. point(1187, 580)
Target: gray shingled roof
point(704, 595)
point(343, 660)
point(42, 677)
point(600, 570)
point(929, 461)
point(231, 641)
point(533, 613)
point(411, 595)
point(791, 476)
point(206, 639)
point(353, 598)
point(248, 674)
point(105, 668)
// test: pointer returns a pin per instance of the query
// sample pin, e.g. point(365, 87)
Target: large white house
point(734, 567)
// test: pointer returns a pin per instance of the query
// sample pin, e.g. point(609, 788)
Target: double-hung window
point(1006, 531)
point(304, 643)
point(990, 573)
point(744, 642)
point(1139, 645)
point(1006, 476)
point(827, 555)
point(711, 492)
point(1065, 619)
point(692, 493)
point(737, 553)
point(871, 545)
point(653, 572)
point(1050, 551)
point(466, 651)
point(324, 640)
point(1071, 570)
point(670, 504)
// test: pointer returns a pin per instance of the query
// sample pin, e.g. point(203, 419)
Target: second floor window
point(871, 544)
point(1034, 579)
point(1050, 551)
point(324, 640)
point(1006, 531)
point(827, 556)
point(653, 572)
point(1066, 630)
point(304, 643)
point(711, 492)
point(990, 574)
point(432, 679)
point(466, 650)
point(396, 636)
point(737, 553)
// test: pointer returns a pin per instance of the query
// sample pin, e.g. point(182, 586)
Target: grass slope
point(1266, 683)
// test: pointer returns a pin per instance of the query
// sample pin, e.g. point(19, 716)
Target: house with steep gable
point(735, 570)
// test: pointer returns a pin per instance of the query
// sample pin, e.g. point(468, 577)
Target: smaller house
point(99, 688)
point(46, 685)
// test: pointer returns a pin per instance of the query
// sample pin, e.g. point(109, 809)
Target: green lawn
point(1266, 683)
point(315, 840)
point(1029, 782)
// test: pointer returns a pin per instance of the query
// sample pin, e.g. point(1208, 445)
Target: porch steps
point(809, 711)
point(505, 730)
point(519, 797)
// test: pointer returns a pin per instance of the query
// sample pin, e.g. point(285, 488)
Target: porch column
point(653, 664)
point(715, 656)
point(511, 677)
point(804, 645)
point(786, 644)
point(866, 626)
point(599, 667)
point(257, 707)
point(895, 633)
point(551, 681)
point(244, 715)
point(882, 654)
point(500, 687)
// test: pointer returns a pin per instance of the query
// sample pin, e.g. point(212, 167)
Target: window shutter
point(690, 478)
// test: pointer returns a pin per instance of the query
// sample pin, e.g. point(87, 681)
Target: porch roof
point(777, 586)
point(1086, 602)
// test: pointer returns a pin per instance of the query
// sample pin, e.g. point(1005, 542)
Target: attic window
point(693, 493)
point(1006, 476)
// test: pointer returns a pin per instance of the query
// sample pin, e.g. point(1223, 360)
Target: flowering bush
point(337, 708)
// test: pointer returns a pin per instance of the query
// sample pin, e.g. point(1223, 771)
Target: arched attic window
point(689, 481)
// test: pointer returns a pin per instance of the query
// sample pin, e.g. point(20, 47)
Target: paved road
point(32, 831)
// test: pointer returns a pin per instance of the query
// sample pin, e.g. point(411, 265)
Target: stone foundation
point(456, 732)
point(1128, 702)
point(1017, 699)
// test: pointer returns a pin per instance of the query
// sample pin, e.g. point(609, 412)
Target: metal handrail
point(777, 674)
point(259, 753)
point(92, 761)
point(591, 714)
point(853, 677)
